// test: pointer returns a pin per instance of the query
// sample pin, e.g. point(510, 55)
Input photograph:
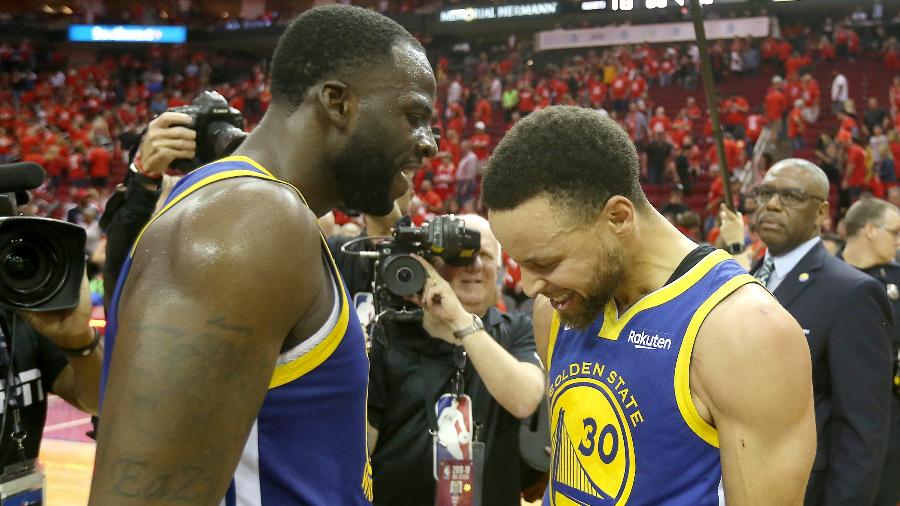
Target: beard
point(364, 175)
point(607, 276)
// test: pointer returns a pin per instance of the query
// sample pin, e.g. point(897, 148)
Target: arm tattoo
point(188, 484)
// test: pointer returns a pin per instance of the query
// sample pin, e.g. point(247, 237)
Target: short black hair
point(866, 210)
point(327, 42)
point(577, 156)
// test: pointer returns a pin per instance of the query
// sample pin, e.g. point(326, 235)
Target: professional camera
point(397, 274)
point(41, 260)
point(219, 129)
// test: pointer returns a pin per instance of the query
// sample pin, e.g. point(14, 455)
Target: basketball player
point(671, 371)
point(239, 372)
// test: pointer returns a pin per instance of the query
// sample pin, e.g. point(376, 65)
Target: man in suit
point(873, 234)
point(847, 319)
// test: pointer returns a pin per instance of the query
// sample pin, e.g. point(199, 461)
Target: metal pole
point(709, 86)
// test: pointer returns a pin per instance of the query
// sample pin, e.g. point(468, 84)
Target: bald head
point(476, 222)
point(806, 174)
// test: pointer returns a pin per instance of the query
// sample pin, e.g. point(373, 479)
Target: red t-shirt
point(811, 93)
point(856, 166)
point(481, 143)
point(620, 88)
point(100, 160)
point(776, 104)
point(796, 123)
point(754, 126)
point(664, 121)
point(638, 87)
point(526, 101)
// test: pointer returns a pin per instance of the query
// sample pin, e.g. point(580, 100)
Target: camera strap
point(11, 386)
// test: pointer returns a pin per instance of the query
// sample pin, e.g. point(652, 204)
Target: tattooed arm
point(215, 288)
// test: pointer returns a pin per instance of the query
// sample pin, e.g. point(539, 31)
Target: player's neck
point(656, 251)
point(297, 160)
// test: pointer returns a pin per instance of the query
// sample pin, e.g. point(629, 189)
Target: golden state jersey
point(307, 445)
point(624, 429)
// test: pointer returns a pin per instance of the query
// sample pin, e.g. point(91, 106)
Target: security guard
point(873, 236)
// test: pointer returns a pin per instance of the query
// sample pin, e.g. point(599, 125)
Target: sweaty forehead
point(408, 72)
point(790, 176)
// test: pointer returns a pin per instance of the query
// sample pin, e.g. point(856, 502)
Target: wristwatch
point(476, 325)
point(735, 248)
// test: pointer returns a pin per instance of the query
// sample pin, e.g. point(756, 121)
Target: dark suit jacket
point(848, 322)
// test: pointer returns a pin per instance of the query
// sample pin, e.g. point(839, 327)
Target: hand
point(166, 142)
point(732, 228)
point(66, 328)
point(444, 313)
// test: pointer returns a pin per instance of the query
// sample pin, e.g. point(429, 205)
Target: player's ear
point(336, 102)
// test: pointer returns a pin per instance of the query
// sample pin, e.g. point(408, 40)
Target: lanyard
point(458, 384)
point(12, 384)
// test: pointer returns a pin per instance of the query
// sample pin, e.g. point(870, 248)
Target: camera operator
point(53, 351)
point(413, 365)
point(167, 139)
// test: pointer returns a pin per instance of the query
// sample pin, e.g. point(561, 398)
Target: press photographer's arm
point(79, 382)
point(517, 386)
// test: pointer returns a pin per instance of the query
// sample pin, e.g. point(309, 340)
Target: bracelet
point(138, 167)
point(84, 350)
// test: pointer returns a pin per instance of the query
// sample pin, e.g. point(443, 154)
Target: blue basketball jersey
point(307, 445)
point(624, 429)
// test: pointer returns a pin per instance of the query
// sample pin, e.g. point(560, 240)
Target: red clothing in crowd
point(796, 123)
point(856, 166)
point(660, 121)
point(100, 160)
point(894, 97)
point(638, 87)
point(794, 63)
point(620, 88)
point(481, 144)
point(754, 126)
point(811, 93)
point(526, 101)
point(776, 104)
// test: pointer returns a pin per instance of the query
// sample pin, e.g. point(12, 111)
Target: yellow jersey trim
point(551, 343)
point(682, 382)
point(613, 324)
point(228, 174)
point(284, 373)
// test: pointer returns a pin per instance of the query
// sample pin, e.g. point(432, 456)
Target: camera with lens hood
point(398, 274)
point(219, 129)
point(42, 260)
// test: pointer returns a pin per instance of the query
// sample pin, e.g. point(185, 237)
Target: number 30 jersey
point(624, 429)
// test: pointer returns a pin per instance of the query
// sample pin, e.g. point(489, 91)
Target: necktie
point(765, 271)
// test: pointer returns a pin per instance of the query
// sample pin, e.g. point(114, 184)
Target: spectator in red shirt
point(796, 125)
point(660, 120)
point(753, 128)
point(433, 201)
point(526, 99)
point(810, 97)
point(795, 63)
point(480, 142)
point(666, 71)
point(736, 110)
point(483, 110)
point(694, 111)
point(99, 159)
point(776, 105)
point(894, 96)
point(637, 87)
point(450, 144)
point(681, 128)
point(620, 91)
point(857, 175)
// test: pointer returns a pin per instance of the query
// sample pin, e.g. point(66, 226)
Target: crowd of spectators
point(80, 121)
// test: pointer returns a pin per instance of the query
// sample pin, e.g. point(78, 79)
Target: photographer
point(54, 351)
point(166, 140)
point(413, 365)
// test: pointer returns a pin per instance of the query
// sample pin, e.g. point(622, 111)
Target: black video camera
point(219, 129)
point(41, 260)
point(397, 274)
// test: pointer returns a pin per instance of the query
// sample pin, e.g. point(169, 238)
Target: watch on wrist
point(735, 248)
point(476, 325)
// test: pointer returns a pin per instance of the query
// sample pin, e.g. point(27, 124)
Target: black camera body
point(398, 274)
point(219, 129)
point(41, 260)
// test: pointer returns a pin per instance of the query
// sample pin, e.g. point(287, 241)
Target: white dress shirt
point(786, 263)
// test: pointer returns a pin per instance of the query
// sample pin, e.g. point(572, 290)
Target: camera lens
point(404, 274)
point(225, 138)
point(22, 263)
point(33, 265)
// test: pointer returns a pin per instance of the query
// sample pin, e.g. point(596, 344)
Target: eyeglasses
point(790, 197)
